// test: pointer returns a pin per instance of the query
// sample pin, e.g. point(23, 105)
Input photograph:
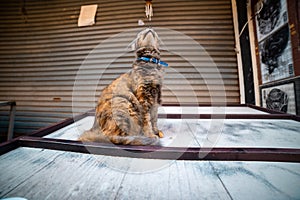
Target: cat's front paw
point(160, 134)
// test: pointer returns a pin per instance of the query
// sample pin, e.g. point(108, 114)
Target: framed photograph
point(272, 15)
point(280, 98)
point(276, 60)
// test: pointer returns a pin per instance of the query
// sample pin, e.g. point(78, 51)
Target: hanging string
point(148, 9)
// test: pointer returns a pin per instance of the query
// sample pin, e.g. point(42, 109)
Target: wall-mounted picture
point(276, 59)
point(272, 14)
point(280, 98)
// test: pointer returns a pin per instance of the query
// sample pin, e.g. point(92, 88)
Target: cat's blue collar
point(153, 60)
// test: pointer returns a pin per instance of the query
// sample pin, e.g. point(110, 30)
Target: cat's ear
point(162, 46)
point(132, 46)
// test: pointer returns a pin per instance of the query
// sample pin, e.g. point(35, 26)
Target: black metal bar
point(9, 146)
point(225, 116)
point(219, 116)
point(7, 103)
point(158, 152)
point(274, 113)
point(266, 110)
point(203, 104)
point(12, 114)
point(12, 111)
point(50, 129)
point(170, 153)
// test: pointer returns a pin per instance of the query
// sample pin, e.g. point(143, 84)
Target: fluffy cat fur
point(126, 112)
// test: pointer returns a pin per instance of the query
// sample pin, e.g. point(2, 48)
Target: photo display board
point(275, 49)
point(280, 98)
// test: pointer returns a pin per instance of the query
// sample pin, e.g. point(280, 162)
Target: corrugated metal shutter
point(43, 51)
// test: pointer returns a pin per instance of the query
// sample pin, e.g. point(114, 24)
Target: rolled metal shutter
point(43, 55)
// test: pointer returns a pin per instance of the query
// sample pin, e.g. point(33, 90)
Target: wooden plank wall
point(42, 50)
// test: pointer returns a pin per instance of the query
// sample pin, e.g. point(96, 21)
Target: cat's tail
point(96, 136)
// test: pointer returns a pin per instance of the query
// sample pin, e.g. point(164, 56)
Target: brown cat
point(127, 109)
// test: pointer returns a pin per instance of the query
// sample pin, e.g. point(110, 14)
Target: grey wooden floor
point(49, 174)
point(211, 132)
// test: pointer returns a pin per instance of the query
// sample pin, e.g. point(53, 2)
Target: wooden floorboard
point(49, 174)
point(21, 165)
point(243, 133)
point(66, 175)
point(271, 133)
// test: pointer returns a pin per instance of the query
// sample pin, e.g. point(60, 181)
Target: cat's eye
point(154, 91)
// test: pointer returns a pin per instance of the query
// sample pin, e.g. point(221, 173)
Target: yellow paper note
point(87, 15)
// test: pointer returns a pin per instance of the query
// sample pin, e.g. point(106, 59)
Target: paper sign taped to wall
point(87, 15)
